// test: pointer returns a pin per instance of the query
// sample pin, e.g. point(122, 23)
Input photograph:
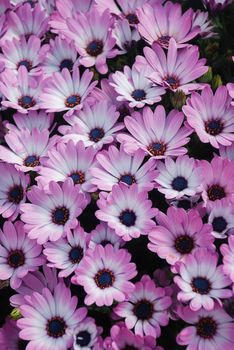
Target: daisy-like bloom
point(179, 178)
point(115, 165)
point(217, 179)
point(124, 35)
point(154, 132)
point(134, 86)
point(96, 125)
point(93, 38)
point(62, 54)
point(52, 214)
point(21, 90)
point(86, 334)
point(211, 116)
point(49, 319)
point(66, 253)
point(104, 235)
point(179, 233)
point(201, 19)
point(201, 281)
point(159, 23)
point(105, 273)
point(9, 336)
point(230, 87)
point(18, 253)
point(146, 308)
point(175, 69)
point(64, 91)
point(127, 210)
point(13, 186)
point(227, 251)
point(207, 329)
point(26, 148)
point(26, 20)
point(22, 52)
point(221, 217)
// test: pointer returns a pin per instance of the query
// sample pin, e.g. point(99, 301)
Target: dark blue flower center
point(96, 134)
point(78, 177)
point(184, 244)
point(104, 278)
point(95, 48)
point(201, 285)
point(32, 161)
point(143, 310)
point(138, 94)
point(132, 18)
point(83, 338)
point(26, 102)
point(214, 127)
point(206, 327)
point(56, 327)
point(16, 258)
point(16, 194)
point(219, 224)
point(179, 183)
point(66, 63)
point(128, 179)
point(172, 81)
point(72, 101)
point(60, 215)
point(76, 254)
point(164, 41)
point(215, 192)
point(128, 218)
point(26, 63)
point(157, 148)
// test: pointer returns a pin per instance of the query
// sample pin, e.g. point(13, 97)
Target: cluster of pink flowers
point(114, 227)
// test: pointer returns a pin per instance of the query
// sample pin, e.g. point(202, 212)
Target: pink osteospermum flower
point(93, 39)
point(134, 86)
point(230, 87)
point(176, 69)
point(217, 179)
point(26, 148)
point(21, 90)
point(105, 273)
point(18, 253)
point(201, 281)
point(154, 132)
point(49, 319)
point(124, 35)
point(52, 214)
point(221, 217)
point(21, 52)
point(201, 19)
point(211, 116)
point(207, 329)
point(227, 152)
point(96, 125)
point(127, 210)
point(66, 253)
point(104, 235)
point(178, 234)
point(227, 251)
point(9, 336)
point(159, 23)
point(114, 166)
point(179, 178)
point(68, 161)
point(86, 334)
point(146, 308)
point(64, 91)
point(13, 187)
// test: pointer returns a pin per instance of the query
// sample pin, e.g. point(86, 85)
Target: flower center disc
point(104, 278)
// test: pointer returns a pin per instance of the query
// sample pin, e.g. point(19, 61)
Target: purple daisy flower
point(9, 336)
point(227, 251)
point(127, 210)
point(154, 132)
point(104, 235)
point(134, 86)
point(86, 335)
point(93, 39)
point(201, 19)
point(208, 330)
point(201, 281)
point(146, 309)
point(52, 214)
point(13, 186)
point(105, 273)
point(179, 178)
point(64, 91)
point(178, 234)
point(124, 35)
point(221, 217)
point(26, 148)
point(114, 166)
point(96, 125)
point(211, 116)
point(66, 253)
point(159, 23)
point(18, 253)
point(227, 152)
point(68, 160)
point(49, 319)
point(176, 69)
